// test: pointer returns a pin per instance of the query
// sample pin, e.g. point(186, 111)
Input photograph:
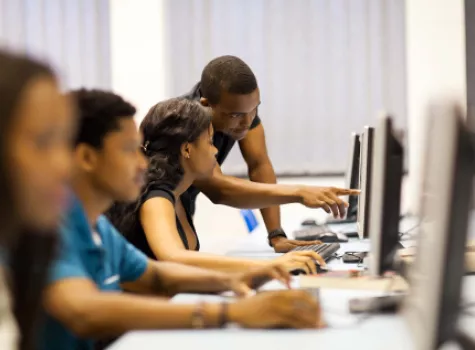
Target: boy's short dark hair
point(99, 114)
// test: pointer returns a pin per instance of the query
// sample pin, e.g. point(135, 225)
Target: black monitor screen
point(353, 179)
point(385, 197)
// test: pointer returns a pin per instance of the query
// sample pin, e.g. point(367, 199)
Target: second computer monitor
point(353, 175)
point(386, 177)
point(366, 160)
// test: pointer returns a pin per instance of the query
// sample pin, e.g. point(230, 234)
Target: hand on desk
point(326, 198)
point(283, 244)
point(289, 309)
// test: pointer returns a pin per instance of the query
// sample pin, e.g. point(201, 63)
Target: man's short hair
point(226, 73)
point(99, 114)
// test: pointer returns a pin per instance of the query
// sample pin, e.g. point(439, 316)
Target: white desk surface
point(345, 331)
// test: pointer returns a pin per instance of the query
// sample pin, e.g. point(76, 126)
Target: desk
point(387, 332)
point(345, 331)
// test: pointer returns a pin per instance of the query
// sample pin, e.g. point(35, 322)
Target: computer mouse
point(297, 272)
point(320, 269)
point(327, 237)
point(342, 237)
point(331, 237)
point(309, 222)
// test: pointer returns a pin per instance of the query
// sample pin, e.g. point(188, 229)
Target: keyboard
point(311, 233)
point(325, 250)
point(333, 221)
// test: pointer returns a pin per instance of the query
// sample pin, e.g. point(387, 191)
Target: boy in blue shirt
point(85, 299)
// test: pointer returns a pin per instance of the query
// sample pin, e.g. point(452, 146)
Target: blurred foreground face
point(39, 147)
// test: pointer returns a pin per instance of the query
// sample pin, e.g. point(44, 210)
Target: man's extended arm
point(240, 193)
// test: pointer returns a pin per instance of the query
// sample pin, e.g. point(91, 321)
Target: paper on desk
point(390, 284)
point(408, 258)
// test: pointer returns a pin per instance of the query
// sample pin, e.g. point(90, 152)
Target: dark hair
point(228, 73)
point(29, 251)
point(165, 128)
point(99, 114)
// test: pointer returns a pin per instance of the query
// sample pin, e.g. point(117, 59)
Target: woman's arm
point(158, 219)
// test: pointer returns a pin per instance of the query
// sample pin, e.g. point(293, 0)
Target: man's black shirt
point(221, 141)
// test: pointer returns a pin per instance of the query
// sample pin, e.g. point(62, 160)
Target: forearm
point(212, 262)
point(112, 314)
point(265, 174)
point(245, 194)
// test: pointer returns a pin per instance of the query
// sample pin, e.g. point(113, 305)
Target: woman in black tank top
point(178, 142)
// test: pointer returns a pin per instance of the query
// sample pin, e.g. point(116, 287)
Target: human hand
point(289, 309)
point(243, 283)
point(301, 260)
point(326, 198)
point(283, 244)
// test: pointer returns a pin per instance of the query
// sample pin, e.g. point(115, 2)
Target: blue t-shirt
point(107, 261)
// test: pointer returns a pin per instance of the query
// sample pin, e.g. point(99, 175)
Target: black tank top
point(138, 238)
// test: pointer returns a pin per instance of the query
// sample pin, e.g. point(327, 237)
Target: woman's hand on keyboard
point(283, 244)
point(287, 309)
point(326, 198)
point(300, 261)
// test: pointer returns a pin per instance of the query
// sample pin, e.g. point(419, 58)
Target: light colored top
point(9, 334)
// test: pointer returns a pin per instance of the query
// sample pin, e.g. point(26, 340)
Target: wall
point(435, 59)
point(325, 69)
point(137, 59)
point(72, 36)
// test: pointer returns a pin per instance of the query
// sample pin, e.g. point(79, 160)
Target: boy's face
point(118, 168)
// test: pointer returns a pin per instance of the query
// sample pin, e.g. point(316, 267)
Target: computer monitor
point(366, 161)
point(386, 177)
point(431, 309)
point(353, 175)
point(352, 180)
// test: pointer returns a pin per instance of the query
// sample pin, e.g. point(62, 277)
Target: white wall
point(137, 58)
point(72, 36)
point(435, 58)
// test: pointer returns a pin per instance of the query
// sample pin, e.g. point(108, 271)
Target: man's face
point(118, 168)
point(234, 113)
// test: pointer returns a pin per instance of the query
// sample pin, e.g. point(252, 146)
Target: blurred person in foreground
point(36, 127)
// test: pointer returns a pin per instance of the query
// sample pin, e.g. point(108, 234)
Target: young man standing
point(85, 299)
point(228, 86)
